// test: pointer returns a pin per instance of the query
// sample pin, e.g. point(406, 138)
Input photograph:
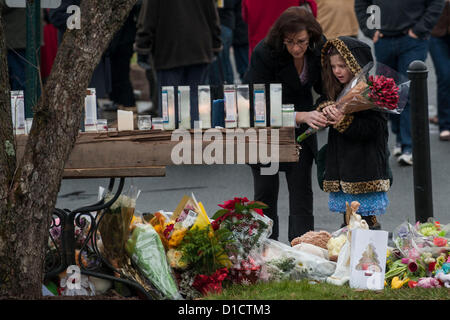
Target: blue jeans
point(241, 58)
point(192, 76)
point(216, 76)
point(440, 53)
point(16, 68)
point(398, 53)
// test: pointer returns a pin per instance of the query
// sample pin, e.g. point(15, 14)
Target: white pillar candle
point(90, 111)
point(276, 120)
point(184, 107)
point(259, 94)
point(18, 112)
point(125, 120)
point(229, 94)
point(204, 106)
point(243, 105)
point(168, 107)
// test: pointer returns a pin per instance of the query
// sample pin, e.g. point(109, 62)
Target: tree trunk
point(29, 196)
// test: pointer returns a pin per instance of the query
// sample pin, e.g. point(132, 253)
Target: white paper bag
point(368, 259)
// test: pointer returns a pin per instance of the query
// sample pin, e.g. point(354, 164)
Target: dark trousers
point(122, 89)
point(398, 53)
point(298, 177)
point(241, 58)
point(440, 53)
point(16, 68)
point(220, 71)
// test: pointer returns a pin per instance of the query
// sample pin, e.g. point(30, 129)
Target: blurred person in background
point(240, 41)
point(261, 14)
point(220, 70)
point(440, 54)
point(178, 39)
point(403, 38)
point(337, 18)
point(14, 24)
point(101, 78)
point(120, 53)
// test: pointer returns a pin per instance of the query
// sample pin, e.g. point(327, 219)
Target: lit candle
point(184, 107)
point(204, 106)
point(259, 93)
point(243, 104)
point(168, 107)
point(288, 115)
point(90, 110)
point(230, 106)
point(275, 105)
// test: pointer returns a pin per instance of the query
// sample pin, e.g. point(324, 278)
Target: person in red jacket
point(261, 14)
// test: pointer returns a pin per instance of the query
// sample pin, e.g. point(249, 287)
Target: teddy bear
point(317, 238)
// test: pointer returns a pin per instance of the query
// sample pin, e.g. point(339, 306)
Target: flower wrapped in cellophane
point(115, 226)
point(147, 252)
point(250, 228)
point(375, 87)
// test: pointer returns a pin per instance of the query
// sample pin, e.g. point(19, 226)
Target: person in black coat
point(357, 154)
point(290, 55)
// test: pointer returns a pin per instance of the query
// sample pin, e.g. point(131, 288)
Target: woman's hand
point(332, 114)
point(314, 119)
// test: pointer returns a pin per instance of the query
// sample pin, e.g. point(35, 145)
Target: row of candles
point(234, 109)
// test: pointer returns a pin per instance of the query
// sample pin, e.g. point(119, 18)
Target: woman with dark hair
point(290, 55)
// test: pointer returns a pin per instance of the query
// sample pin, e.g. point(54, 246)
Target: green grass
point(308, 290)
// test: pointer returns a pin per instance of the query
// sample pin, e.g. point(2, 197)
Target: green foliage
point(204, 249)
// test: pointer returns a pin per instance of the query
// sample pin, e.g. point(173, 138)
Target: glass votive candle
point(145, 122)
point(102, 125)
point(158, 124)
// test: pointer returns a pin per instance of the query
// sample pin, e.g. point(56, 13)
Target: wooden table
point(147, 153)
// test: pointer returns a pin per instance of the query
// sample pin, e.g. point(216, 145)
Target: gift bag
point(368, 259)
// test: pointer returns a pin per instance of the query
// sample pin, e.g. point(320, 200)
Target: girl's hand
point(314, 119)
point(332, 114)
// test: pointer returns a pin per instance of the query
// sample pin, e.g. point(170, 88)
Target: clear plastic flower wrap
point(411, 243)
point(250, 228)
point(284, 262)
point(147, 252)
point(376, 87)
point(115, 226)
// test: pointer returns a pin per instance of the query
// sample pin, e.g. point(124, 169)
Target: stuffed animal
point(319, 239)
point(334, 246)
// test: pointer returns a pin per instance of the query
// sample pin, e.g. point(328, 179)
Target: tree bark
point(29, 196)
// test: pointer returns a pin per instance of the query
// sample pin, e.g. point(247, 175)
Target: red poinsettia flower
point(229, 205)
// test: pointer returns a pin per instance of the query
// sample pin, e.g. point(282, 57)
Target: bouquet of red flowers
point(376, 87)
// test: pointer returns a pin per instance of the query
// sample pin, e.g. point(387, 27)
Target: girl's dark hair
point(331, 84)
point(293, 20)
